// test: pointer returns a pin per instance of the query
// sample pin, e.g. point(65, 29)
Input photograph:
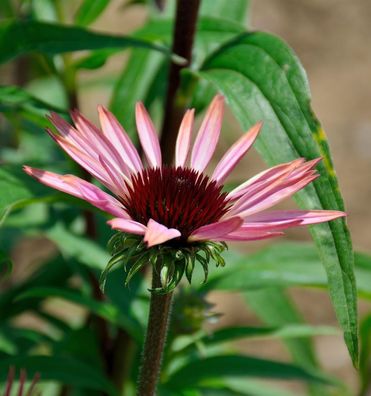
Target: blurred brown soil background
point(332, 39)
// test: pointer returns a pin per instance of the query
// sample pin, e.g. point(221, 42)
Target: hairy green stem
point(158, 320)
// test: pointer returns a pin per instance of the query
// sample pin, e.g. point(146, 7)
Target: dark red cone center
point(178, 198)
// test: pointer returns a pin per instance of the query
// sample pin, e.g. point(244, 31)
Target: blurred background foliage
point(260, 326)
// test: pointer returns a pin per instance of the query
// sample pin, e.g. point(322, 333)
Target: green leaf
point(288, 331)
point(104, 310)
point(282, 264)
point(89, 11)
point(15, 98)
point(365, 357)
point(65, 370)
point(22, 37)
point(199, 371)
point(263, 80)
point(255, 388)
point(18, 189)
point(76, 246)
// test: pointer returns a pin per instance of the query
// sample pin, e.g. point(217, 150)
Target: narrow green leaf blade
point(263, 80)
point(22, 37)
point(209, 368)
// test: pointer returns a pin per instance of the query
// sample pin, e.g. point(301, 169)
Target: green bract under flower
point(169, 261)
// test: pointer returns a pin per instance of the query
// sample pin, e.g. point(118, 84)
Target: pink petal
point(148, 136)
point(215, 230)
point(272, 199)
point(116, 134)
point(71, 134)
point(268, 175)
point(89, 164)
point(157, 233)
point(184, 138)
point(128, 225)
point(98, 142)
point(208, 135)
point(259, 190)
point(268, 226)
point(304, 217)
point(79, 188)
point(239, 236)
point(233, 156)
point(120, 181)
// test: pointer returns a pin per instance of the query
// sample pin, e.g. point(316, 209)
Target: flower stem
point(184, 32)
point(159, 314)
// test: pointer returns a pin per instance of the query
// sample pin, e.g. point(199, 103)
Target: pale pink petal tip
point(79, 188)
point(148, 136)
point(233, 156)
point(129, 226)
point(184, 138)
point(216, 230)
point(208, 135)
point(157, 233)
point(116, 134)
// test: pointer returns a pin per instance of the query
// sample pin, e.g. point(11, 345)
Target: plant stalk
point(183, 37)
point(158, 320)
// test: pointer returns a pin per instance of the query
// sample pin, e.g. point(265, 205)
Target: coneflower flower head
point(175, 216)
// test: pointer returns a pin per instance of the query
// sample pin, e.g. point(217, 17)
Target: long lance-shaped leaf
point(22, 37)
point(262, 79)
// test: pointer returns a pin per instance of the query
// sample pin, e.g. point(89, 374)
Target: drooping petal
point(233, 156)
point(89, 164)
point(79, 188)
point(269, 200)
point(112, 129)
point(157, 233)
point(184, 138)
point(127, 225)
point(303, 217)
point(208, 135)
point(267, 176)
point(216, 230)
point(148, 136)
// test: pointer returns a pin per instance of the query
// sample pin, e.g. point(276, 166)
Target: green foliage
point(19, 38)
point(83, 342)
point(290, 131)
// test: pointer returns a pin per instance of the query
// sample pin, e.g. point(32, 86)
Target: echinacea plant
point(173, 216)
